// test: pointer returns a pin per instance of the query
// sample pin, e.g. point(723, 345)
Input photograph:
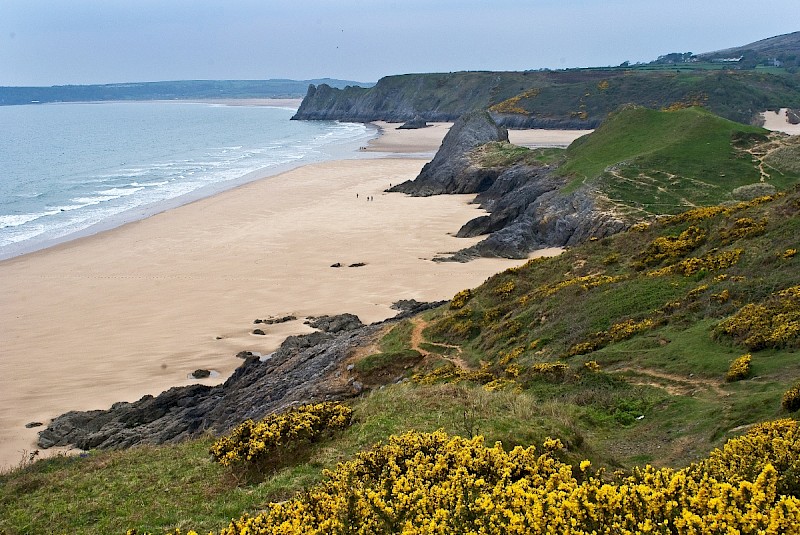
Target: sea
point(73, 169)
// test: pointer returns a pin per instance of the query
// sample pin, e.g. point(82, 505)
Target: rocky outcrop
point(417, 122)
point(508, 198)
point(452, 170)
point(304, 369)
point(550, 219)
point(527, 210)
point(336, 324)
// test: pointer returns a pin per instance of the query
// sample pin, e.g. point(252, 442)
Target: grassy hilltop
point(653, 346)
point(661, 162)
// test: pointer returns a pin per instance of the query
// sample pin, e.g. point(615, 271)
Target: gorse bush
point(460, 299)
point(775, 443)
point(774, 323)
point(791, 399)
point(259, 442)
point(671, 247)
point(432, 483)
point(740, 368)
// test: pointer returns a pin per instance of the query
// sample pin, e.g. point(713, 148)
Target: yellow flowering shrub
point(696, 214)
point(505, 289)
point(592, 365)
point(789, 253)
point(432, 483)
point(744, 227)
point(739, 368)
point(460, 299)
point(791, 399)
point(507, 357)
point(775, 443)
point(671, 247)
point(587, 282)
point(773, 323)
point(722, 297)
point(512, 105)
point(713, 261)
point(616, 333)
point(550, 370)
point(256, 442)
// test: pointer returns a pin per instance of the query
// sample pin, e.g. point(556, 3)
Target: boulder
point(335, 324)
point(417, 122)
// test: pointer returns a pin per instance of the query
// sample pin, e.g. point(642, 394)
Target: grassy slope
point(663, 162)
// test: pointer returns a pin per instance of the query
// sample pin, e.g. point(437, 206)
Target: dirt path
point(761, 151)
point(679, 385)
point(417, 339)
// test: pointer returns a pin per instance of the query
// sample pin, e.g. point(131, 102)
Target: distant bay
point(72, 169)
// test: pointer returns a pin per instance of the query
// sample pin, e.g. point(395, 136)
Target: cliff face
point(531, 218)
point(527, 210)
point(451, 170)
point(430, 97)
point(572, 99)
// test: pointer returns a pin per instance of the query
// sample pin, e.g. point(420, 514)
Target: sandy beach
point(777, 121)
point(427, 140)
point(134, 310)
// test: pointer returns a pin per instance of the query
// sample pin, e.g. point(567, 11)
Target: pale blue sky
point(103, 41)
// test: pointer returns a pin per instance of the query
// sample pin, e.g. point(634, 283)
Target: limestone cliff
point(451, 170)
point(527, 210)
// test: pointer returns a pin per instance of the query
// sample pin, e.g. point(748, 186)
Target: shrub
point(430, 483)
point(739, 368)
point(774, 323)
point(713, 261)
point(258, 443)
point(671, 247)
point(791, 399)
point(460, 299)
point(744, 227)
point(775, 444)
point(505, 289)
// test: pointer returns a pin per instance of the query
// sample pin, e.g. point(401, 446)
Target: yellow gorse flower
point(254, 442)
point(432, 483)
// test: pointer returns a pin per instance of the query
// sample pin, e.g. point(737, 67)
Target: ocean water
point(72, 169)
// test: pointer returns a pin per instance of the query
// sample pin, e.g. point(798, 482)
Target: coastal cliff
point(451, 170)
point(526, 209)
point(570, 99)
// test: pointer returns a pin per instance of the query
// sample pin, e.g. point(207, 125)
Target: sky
point(57, 42)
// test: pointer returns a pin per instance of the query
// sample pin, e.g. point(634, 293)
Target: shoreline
point(132, 311)
point(342, 150)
